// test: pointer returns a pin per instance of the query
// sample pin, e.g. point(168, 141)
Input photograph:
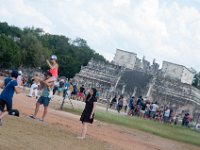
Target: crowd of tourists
point(49, 84)
point(142, 107)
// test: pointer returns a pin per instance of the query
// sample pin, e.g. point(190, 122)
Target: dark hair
point(94, 93)
point(48, 74)
point(14, 74)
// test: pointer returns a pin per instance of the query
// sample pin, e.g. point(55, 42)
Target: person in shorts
point(10, 86)
point(45, 98)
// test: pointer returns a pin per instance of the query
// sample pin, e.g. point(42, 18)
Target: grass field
point(177, 133)
point(26, 134)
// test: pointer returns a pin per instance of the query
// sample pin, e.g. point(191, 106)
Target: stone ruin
point(145, 80)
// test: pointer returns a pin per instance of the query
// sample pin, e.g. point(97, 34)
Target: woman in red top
point(53, 68)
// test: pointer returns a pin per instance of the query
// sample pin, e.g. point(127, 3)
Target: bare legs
point(3, 114)
point(83, 131)
point(44, 112)
point(37, 109)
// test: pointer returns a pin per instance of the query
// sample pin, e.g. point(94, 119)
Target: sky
point(161, 29)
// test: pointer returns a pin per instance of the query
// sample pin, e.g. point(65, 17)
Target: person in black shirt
point(113, 102)
point(88, 113)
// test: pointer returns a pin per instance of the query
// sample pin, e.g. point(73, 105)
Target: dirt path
point(121, 137)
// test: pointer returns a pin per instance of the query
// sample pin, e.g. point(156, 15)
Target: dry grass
point(23, 133)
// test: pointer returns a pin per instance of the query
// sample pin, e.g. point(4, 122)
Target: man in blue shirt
point(10, 86)
point(131, 107)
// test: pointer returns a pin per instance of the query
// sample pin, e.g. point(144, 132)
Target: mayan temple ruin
point(128, 75)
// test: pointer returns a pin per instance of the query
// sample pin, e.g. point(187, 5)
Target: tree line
point(30, 47)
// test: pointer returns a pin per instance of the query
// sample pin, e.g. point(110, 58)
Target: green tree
point(10, 53)
point(34, 54)
point(34, 47)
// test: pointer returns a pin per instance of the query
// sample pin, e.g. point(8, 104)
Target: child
point(35, 85)
point(45, 98)
point(10, 86)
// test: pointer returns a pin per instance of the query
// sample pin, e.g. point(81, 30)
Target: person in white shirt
point(125, 105)
point(19, 78)
point(154, 108)
point(198, 126)
point(166, 115)
point(35, 85)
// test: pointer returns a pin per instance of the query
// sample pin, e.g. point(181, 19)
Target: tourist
point(130, 105)
point(53, 68)
point(30, 81)
point(88, 113)
point(166, 115)
point(98, 94)
point(10, 86)
point(137, 108)
point(35, 85)
point(45, 97)
point(81, 93)
point(171, 116)
point(56, 85)
point(74, 93)
point(142, 107)
point(176, 118)
point(154, 108)
point(114, 102)
point(148, 109)
point(19, 78)
point(120, 104)
point(187, 120)
point(158, 116)
point(184, 120)
point(138, 100)
point(197, 127)
point(125, 104)
point(70, 89)
point(61, 86)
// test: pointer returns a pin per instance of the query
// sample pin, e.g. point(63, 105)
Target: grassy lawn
point(177, 133)
point(25, 134)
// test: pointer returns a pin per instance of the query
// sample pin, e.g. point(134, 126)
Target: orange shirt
point(54, 72)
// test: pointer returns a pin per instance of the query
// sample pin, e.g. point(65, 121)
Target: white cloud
point(119, 3)
point(165, 30)
point(22, 14)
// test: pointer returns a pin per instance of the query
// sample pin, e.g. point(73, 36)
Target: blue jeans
point(115, 105)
